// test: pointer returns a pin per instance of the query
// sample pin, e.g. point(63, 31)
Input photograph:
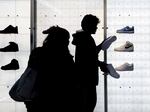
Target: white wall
point(130, 93)
point(127, 94)
point(16, 13)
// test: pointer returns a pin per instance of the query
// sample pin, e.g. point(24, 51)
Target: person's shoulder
point(37, 50)
point(79, 35)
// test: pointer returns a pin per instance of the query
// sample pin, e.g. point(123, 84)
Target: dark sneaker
point(13, 65)
point(12, 47)
point(127, 47)
point(9, 29)
point(126, 29)
point(112, 72)
point(107, 42)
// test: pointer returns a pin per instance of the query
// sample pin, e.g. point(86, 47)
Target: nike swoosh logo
point(128, 46)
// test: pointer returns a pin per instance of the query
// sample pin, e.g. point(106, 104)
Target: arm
point(103, 66)
point(98, 48)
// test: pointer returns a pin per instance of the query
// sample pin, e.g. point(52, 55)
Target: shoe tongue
point(128, 43)
point(126, 64)
point(127, 26)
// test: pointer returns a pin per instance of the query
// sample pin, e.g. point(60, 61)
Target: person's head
point(57, 37)
point(89, 23)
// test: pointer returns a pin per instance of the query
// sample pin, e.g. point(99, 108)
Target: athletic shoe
point(125, 67)
point(9, 29)
point(112, 72)
point(107, 42)
point(127, 47)
point(12, 47)
point(13, 65)
point(126, 29)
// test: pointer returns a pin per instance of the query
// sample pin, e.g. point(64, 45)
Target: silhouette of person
point(86, 62)
point(55, 83)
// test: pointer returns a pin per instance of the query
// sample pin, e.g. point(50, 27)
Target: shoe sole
point(108, 42)
point(123, 50)
point(8, 32)
point(124, 69)
point(125, 31)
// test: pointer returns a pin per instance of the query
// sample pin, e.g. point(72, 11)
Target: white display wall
point(131, 92)
point(15, 13)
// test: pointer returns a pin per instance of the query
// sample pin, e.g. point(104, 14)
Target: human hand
point(103, 66)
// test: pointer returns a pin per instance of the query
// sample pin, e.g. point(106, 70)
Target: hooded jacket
point(86, 59)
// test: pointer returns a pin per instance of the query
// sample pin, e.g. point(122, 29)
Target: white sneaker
point(127, 47)
point(125, 67)
point(107, 42)
point(112, 72)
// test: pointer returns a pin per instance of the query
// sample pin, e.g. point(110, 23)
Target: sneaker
point(12, 47)
point(107, 42)
point(112, 72)
point(127, 47)
point(125, 67)
point(126, 29)
point(9, 29)
point(13, 65)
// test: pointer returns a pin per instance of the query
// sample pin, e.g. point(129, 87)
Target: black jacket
point(55, 70)
point(86, 59)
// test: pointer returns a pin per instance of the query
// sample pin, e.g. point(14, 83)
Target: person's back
point(55, 66)
point(86, 59)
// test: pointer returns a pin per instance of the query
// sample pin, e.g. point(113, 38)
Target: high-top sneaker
point(13, 65)
point(9, 29)
point(127, 47)
point(12, 47)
